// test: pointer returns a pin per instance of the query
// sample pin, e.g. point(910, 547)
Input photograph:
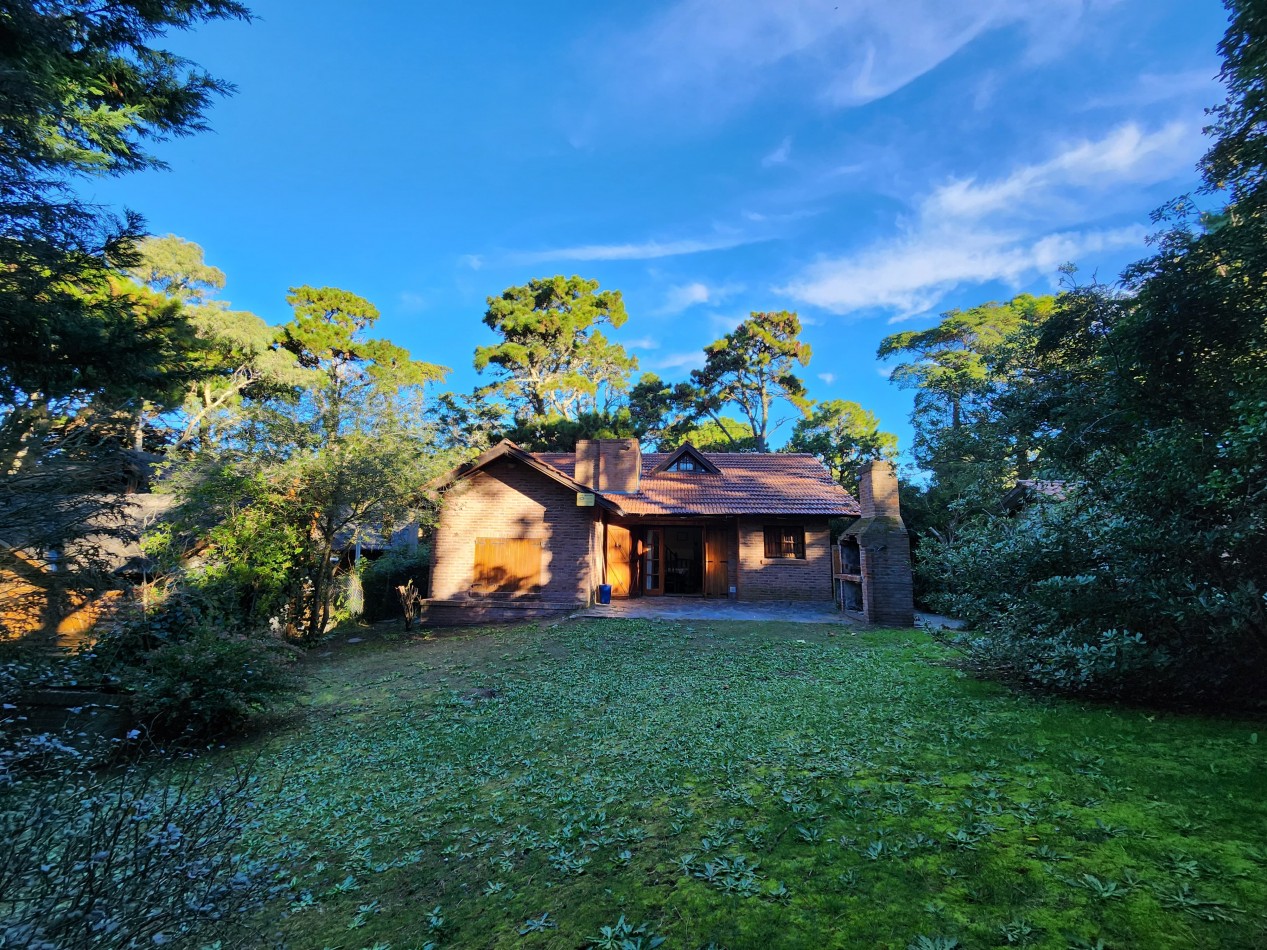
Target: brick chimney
point(609, 466)
point(885, 548)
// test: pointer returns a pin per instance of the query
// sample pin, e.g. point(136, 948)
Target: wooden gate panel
point(716, 563)
point(620, 554)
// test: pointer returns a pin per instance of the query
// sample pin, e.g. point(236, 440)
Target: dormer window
point(687, 460)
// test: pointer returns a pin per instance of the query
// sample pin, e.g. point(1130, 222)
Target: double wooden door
point(637, 561)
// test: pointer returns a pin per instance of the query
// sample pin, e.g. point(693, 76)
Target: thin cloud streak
point(645, 251)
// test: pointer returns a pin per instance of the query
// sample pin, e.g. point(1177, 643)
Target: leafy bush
point(190, 678)
point(1087, 596)
point(126, 860)
point(381, 577)
point(209, 684)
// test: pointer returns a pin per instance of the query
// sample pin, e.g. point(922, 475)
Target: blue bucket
point(604, 593)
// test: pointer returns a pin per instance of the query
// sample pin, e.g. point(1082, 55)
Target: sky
point(869, 164)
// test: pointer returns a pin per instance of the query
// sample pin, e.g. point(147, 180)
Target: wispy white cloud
point(712, 55)
point(473, 261)
point(780, 155)
point(1150, 88)
point(828, 378)
point(643, 343)
point(684, 296)
point(645, 251)
point(680, 361)
point(1028, 222)
point(1127, 154)
point(911, 275)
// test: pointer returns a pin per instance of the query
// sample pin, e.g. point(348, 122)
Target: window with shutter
point(782, 541)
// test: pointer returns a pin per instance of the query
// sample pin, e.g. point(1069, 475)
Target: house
point(524, 534)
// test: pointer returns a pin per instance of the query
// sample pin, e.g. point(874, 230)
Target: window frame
point(784, 542)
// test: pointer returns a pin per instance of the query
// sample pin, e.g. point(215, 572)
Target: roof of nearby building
point(746, 483)
point(1026, 489)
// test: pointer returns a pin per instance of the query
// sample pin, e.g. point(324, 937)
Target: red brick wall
point(784, 578)
point(510, 500)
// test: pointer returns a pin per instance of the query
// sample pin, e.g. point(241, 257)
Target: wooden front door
point(653, 562)
point(619, 559)
point(716, 562)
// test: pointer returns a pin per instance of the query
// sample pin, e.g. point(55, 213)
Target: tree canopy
point(843, 435)
point(749, 368)
point(553, 359)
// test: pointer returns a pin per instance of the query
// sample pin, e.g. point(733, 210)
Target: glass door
point(653, 561)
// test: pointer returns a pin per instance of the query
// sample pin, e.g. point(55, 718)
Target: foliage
point(1148, 401)
point(843, 436)
point(128, 858)
point(189, 675)
point(297, 479)
point(964, 438)
point(208, 684)
point(85, 93)
point(553, 359)
point(712, 791)
point(233, 352)
point(381, 577)
point(749, 368)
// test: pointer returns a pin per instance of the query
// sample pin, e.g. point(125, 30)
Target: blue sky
point(866, 163)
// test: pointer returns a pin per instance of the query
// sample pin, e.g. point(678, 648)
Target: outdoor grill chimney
point(609, 466)
point(885, 548)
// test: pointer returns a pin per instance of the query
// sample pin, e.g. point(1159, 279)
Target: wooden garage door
point(507, 566)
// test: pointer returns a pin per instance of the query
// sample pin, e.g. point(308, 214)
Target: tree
point(553, 360)
point(1150, 401)
point(959, 369)
point(843, 435)
point(84, 94)
point(663, 414)
point(302, 475)
point(234, 352)
point(749, 369)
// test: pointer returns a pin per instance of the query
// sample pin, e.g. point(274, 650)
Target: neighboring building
point(1027, 490)
point(528, 534)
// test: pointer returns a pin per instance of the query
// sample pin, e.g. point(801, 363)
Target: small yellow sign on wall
point(584, 499)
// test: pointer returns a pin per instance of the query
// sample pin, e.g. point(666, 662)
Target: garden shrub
point(1087, 597)
point(191, 677)
point(209, 684)
point(381, 577)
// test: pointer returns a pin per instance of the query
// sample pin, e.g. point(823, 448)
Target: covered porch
point(655, 558)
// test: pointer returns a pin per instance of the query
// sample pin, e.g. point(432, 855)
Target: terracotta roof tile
point(749, 484)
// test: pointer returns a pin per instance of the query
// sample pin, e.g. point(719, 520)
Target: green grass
point(747, 785)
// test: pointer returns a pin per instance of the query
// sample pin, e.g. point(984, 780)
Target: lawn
point(746, 785)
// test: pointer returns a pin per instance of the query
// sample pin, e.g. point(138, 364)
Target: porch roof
point(746, 483)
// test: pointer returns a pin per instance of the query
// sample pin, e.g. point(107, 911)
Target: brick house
point(526, 534)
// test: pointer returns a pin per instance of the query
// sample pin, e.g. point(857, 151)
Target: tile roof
point(748, 484)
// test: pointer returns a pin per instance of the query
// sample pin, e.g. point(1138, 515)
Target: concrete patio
point(700, 608)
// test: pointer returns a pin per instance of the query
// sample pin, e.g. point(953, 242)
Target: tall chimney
point(609, 465)
point(887, 595)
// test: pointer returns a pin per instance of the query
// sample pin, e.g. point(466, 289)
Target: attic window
point(689, 460)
